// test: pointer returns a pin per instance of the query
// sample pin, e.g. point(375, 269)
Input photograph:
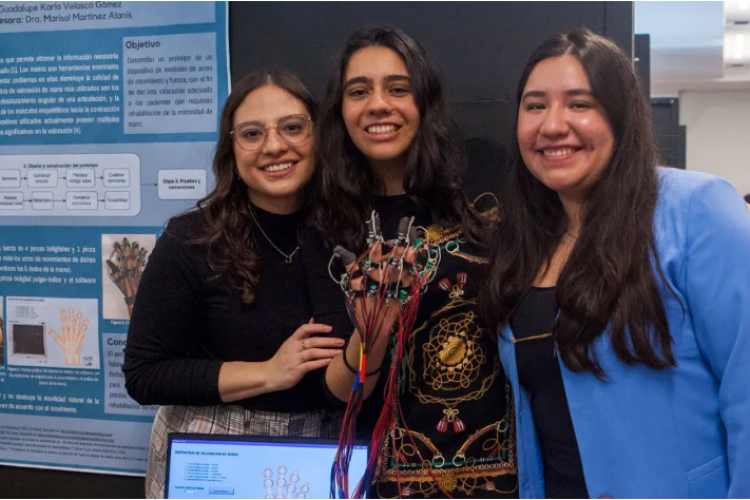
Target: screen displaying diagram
point(227, 469)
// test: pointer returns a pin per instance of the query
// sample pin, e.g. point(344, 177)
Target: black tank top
point(539, 373)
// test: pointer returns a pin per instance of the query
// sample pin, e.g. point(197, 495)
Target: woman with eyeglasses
point(222, 335)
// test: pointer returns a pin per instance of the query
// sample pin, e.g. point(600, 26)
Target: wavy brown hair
point(226, 210)
point(608, 281)
point(434, 166)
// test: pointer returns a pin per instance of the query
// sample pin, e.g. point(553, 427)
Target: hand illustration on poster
point(33, 323)
point(71, 338)
point(124, 257)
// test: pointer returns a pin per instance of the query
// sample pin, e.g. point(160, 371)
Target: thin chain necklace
point(287, 257)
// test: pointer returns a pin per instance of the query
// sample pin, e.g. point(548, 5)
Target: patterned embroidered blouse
point(459, 433)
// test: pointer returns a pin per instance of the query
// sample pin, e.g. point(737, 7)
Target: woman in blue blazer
point(622, 291)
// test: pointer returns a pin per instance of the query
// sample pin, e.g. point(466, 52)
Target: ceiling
point(696, 45)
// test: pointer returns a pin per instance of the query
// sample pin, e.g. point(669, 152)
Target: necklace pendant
point(288, 259)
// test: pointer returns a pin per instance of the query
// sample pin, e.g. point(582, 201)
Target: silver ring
point(303, 345)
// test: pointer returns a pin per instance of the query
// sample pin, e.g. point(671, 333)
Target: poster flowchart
point(70, 185)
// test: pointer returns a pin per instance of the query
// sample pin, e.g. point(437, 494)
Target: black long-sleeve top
point(185, 324)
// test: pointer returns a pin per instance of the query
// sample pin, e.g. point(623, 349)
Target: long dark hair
point(229, 224)
point(608, 280)
point(343, 186)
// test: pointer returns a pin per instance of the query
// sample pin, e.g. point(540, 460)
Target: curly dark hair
point(608, 280)
point(341, 193)
point(229, 224)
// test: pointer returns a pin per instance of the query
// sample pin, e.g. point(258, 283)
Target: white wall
point(718, 134)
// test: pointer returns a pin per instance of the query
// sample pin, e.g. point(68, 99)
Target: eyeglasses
point(251, 136)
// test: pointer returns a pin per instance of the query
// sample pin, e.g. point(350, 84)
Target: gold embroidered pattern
point(450, 241)
point(452, 355)
point(440, 235)
point(422, 469)
point(449, 366)
point(452, 402)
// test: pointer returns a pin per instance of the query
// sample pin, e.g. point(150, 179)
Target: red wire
point(373, 315)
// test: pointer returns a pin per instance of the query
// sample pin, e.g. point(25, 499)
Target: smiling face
point(564, 135)
point(276, 172)
point(378, 105)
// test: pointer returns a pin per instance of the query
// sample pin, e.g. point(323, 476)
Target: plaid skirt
point(228, 419)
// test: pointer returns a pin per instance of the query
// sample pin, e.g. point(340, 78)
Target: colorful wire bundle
point(404, 274)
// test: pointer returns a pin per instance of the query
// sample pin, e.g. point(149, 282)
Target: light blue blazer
point(682, 432)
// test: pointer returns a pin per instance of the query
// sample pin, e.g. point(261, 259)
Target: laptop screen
point(211, 466)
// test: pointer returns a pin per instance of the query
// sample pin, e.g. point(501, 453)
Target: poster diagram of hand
point(125, 267)
point(32, 323)
point(71, 338)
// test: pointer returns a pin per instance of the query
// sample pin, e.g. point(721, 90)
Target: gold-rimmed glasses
point(251, 136)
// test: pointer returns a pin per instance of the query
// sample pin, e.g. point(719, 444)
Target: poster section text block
point(170, 84)
point(93, 444)
point(116, 398)
point(52, 95)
